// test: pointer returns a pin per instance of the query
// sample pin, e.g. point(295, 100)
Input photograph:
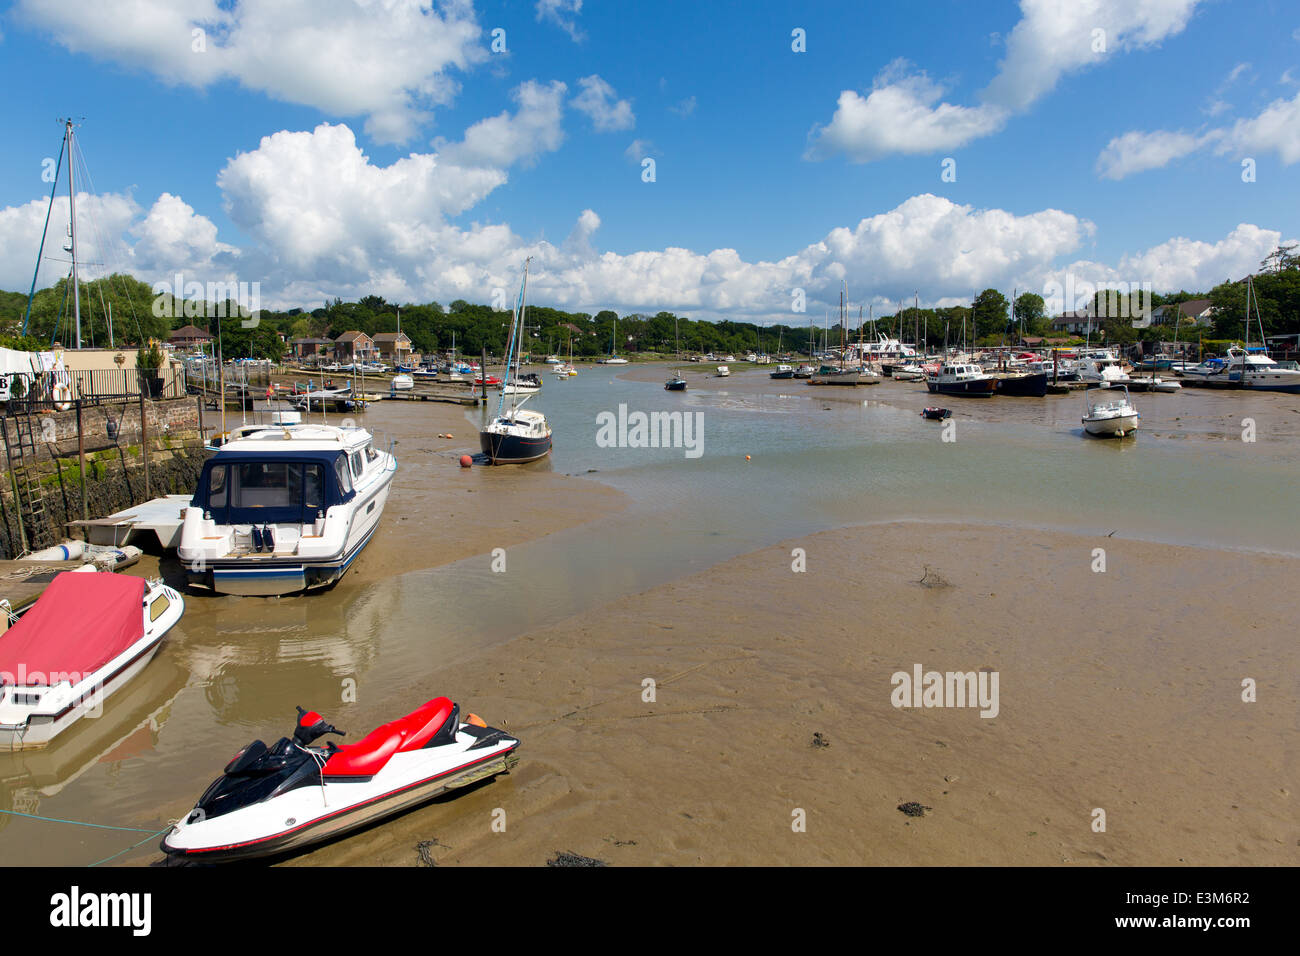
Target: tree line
point(138, 316)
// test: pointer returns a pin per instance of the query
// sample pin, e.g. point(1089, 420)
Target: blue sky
point(1106, 143)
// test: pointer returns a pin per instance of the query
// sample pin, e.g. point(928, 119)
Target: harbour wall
point(115, 448)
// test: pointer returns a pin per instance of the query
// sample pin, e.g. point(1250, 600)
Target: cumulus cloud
point(389, 62)
point(599, 101)
point(898, 116)
point(1275, 129)
point(901, 114)
point(101, 223)
point(505, 139)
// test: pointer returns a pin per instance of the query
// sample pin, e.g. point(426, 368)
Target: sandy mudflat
point(1118, 690)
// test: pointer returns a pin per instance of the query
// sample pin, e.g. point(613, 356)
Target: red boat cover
point(80, 623)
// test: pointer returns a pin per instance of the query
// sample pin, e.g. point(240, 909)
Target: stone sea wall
point(115, 450)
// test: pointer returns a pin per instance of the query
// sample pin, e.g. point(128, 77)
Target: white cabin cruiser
point(282, 510)
point(88, 634)
point(1109, 415)
point(1244, 368)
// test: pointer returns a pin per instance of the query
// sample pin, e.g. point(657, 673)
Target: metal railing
point(57, 391)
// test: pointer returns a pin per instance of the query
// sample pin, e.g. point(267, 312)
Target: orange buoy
point(466, 461)
point(746, 458)
point(476, 720)
point(450, 435)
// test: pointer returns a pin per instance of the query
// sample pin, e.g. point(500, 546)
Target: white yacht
point(285, 509)
point(1109, 413)
point(1244, 368)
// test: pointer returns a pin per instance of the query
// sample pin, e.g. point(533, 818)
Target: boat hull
point(1033, 385)
point(513, 449)
point(973, 388)
point(1111, 427)
point(41, 728)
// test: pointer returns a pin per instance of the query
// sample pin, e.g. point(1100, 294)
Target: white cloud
point(599, 101)
point(101, 222)
point(564, 14)
point(504, 139)
point(638, 150)
point(172, 236)
point(1276, 128)
point(1052, 38)
point(685, 108)
point(389, 62)
point(1136, 151)
point(898, 117)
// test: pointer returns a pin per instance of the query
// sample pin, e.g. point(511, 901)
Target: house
point(354, 347)
point(188, 336)
point(393, 347)
point(1191, 312)
point(1078, 323)
point(304, 348)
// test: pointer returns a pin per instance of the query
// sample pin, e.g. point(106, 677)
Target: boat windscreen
point(267, 490)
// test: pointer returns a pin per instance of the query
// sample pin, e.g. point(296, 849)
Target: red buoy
point(466, 461)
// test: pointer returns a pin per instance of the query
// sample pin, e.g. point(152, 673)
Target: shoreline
point(1102, 710)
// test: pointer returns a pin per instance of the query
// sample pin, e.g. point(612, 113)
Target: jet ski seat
point(368, 755)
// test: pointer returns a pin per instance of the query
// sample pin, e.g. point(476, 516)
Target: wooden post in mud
point(483, 363)
point(144, 443)
point(81, 460)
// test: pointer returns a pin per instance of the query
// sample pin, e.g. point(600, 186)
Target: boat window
point(313, 486)
point(159, 607)
point(217, 487)
point(341, 473)
point(265, 484)
point(371, 454)
point(356, 464)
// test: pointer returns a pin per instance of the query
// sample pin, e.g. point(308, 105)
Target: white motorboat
point(402, 383)
point(281, 510)
point(88, 634)
point(1110, 412)
point(723, 371)
point(1246, 368)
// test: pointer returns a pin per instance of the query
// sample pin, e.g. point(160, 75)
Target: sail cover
point(81, 622)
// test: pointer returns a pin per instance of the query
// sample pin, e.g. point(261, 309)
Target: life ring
point(62, 395)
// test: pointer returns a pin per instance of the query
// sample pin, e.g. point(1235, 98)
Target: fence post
point(144, 443)
point(81, 460)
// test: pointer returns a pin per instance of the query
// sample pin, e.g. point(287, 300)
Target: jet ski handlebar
point(311, 725)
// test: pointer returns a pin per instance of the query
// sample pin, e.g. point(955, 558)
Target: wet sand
point(1119, 690)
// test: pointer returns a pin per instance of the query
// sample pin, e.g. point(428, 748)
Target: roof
point(82, 621)
point(188, 332)
point(280, 439)
point(309, 341)
point(1190, 307)
point(390, 337)
point(351, 336)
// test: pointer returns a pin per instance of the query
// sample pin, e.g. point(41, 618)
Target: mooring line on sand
point(151, 836)
point(79, 823)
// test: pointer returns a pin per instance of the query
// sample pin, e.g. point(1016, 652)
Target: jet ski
point(270, 800)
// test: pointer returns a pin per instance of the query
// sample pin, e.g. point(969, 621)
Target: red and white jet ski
point(274, 799)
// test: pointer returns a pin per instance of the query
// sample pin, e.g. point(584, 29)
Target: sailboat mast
point(72, 229)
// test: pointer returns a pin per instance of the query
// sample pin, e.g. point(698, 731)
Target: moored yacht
point(284, 509)
point(516, 435)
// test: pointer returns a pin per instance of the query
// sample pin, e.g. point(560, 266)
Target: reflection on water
point(819, 458)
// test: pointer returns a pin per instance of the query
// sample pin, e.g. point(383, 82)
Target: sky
point(721, 160)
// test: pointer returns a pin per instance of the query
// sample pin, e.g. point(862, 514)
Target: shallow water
point(819, 458)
